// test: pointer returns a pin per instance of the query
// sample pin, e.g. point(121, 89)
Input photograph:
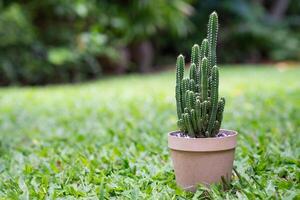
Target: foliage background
point(54, 41)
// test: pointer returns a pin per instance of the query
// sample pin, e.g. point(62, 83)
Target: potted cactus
point(201, 152)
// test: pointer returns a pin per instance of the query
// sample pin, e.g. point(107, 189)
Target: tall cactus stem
point(194, 120)
point(184, 88)
point(192, 85)
point(198, 110)
point(188, 124)
point(190, 100)
point(193, 72)
point(180, 65)
point(181, 125)
point(198, 114)
point(216, 128)
point(214, 98)
point(204, 79)
point(212, 35)
point(178, 101)
point(203, 50)
point(221, 106)
point(195, 54)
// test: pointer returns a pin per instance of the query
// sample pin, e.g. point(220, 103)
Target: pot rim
point(203, 144)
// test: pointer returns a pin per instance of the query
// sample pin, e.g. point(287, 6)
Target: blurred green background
point(54, 41)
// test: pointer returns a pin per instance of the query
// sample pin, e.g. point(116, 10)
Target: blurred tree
point(70, 40)
point(54, 41)
point(253, 30)
point(133, 24)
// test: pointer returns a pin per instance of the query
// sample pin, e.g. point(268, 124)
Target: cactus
point(204, 79)
point(199, 110)
point(203, 50)
point(212, 35)
point(214, 98)
point(179, 76)
point(195, 54)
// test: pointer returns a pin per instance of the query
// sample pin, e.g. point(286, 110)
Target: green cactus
point(195, 54)
point(192, 85)
point(188, 123)
point(214, 98)
point(204, 79)
point(179, 76)
point(219, 117)
point(212, 35)
point(199, 110)
point(203, 50)
point(183, 88)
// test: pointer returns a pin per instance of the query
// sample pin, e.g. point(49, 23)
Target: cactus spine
point(199, 110)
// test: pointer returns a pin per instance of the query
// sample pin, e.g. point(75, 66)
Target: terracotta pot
point(202, 160)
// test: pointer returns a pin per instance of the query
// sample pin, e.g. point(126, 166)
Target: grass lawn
point(108, 139)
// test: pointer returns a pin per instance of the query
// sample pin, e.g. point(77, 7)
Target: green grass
point(107, 139)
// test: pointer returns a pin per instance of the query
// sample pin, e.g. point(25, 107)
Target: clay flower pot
point(202, 160)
